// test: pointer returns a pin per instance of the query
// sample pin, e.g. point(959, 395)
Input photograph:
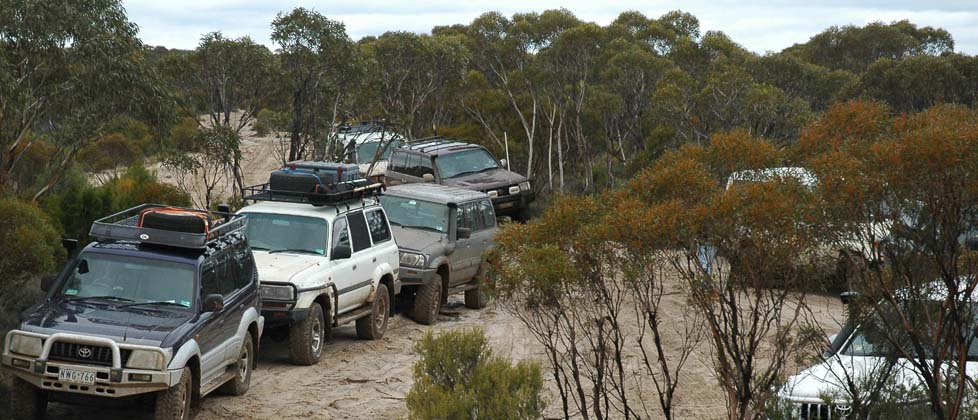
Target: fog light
point(115, 375)
point(23, 364)
point(140, 377)
point(40, 366)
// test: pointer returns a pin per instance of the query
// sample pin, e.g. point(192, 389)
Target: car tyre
point(27, 402)
point(475, 298)
point(174, 403)
point(246, 362)
point(427, 301)
point(373, 326)
point(307, 338)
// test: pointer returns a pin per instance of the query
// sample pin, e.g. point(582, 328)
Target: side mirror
point(428, 178)
point(226, 209)
point(70, 245)
point(504, 163)
point(463, 233)
point(47, 282)
point(213, 303)
point(847, 297)
point(342, 252)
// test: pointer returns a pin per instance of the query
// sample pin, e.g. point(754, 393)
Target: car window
point(210, 282)
point(358, 231)
point(243, 265)
point(415, 214)
point(426, 167)
point(413, 165)
point(468, 216)
point(341, 234)
point(277, 232)
point(130, 277)
point(377, 223)
point(487, 214)
point(465, 162)
point(218, 276)
point(397, 162)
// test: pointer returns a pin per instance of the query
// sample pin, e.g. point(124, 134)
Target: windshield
point(416, 214)
point(866, 342)
point(130, 279)
point(366, 151)
point(286, 233)
point(465, 162)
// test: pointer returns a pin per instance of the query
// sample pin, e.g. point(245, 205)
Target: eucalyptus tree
point(66, 69)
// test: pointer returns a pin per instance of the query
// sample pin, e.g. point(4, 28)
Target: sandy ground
point(370, 379)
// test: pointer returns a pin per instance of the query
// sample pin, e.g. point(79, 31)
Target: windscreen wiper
point(81, 298)
point(157, 302)
point(297, 251)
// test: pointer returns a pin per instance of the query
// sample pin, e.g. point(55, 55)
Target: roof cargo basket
point(323, 195)
point(125, 226)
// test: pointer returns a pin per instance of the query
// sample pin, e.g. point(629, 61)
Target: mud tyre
point(307, 338)
point(427, 301)
point(373, 326)
point(246, 363)
point(174, 403)
point(27, 402)
point(476, 298)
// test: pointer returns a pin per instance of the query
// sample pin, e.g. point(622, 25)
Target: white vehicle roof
point(328, 212)
point(806, 177)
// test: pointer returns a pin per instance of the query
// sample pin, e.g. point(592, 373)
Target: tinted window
point(358, 231)
point(415, 214)
point(209, 280)
point(398, 160)
point(218, 276)
point(244, 267)
point(377, 223)
point(426, 167)
point(486, 214)
point(413, 165)
point(468, 216)
point(341, 234)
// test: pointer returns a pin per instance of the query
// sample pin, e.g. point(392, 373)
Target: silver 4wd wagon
point(165, 302)
point(442, 233)
point(322, 265)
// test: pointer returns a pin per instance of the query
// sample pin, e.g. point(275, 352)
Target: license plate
point(505, 205)
point(76, 376)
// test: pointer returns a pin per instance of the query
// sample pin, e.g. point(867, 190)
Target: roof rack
point(360, 191)
point(124, 226)
point(431, 144)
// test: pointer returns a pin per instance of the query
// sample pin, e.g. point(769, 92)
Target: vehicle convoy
point(442, 233)
point(165, 303)
point(326, 258)
point(458, 164)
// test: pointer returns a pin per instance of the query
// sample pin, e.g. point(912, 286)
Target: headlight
point(28, 346)
point(145, 359)
point(277, 292)
point(412, 259)
point(525, 186)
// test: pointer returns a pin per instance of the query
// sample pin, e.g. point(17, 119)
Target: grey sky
point(757, 25)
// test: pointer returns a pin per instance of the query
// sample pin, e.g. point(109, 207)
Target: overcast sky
point(760, 26)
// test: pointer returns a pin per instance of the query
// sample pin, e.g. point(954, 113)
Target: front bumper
point(508, 205)
point(110, 381)
point(411, 276)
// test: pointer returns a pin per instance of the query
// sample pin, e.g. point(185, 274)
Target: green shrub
point(459, 378)
point(184, 135)
point(30, 243)
point(77, 204)
point(268, 121)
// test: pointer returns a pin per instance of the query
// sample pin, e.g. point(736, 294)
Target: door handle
point(375, 259)
point(354, 267)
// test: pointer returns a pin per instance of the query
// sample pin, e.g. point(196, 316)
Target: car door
point(213, 335)
point(383, 250)
point(466, 249)
point(396, 167)
point(240, 272)
point(341, 271)
point(485, 237)
point(365, 261)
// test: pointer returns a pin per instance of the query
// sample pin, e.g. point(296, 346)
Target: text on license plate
point(76, 376)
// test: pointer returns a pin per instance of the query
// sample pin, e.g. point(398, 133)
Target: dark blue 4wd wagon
point(164, 302)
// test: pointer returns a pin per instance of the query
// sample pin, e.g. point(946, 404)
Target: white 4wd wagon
point(322, 266)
